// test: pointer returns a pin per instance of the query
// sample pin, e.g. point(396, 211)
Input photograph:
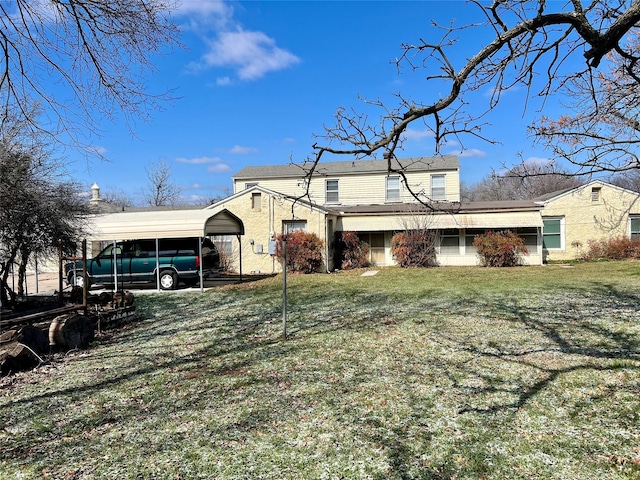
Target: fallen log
point(16, 356)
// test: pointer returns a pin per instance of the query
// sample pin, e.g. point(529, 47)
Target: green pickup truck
point(136, 262)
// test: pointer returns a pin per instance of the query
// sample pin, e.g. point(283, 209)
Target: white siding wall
point(360, 189)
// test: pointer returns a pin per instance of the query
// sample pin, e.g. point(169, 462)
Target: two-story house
point(376, 199)
point(361, 182)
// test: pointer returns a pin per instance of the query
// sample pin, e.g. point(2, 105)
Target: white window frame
point(634, 234)
point(250, 184)
point(451, 234)
point(256, 201)
point(332, 195)
point(392, 192)
point(289, 226)
point(439, 192)
point(596, 194)
point(562, 234)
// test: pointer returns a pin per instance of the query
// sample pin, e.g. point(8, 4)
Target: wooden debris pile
point(28, 338)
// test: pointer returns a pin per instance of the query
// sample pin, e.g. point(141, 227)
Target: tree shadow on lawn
point(226, 349)
point(563, 341)
point(580, 333)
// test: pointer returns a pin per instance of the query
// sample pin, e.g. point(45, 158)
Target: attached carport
point(166, 224)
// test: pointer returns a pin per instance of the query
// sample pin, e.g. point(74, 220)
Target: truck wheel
point(168, 280)
point(78, 280)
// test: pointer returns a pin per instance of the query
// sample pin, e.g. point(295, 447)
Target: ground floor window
point(635, 227)
point(449, 241)
point(376, 247)
point(530, 237)
point(289, 226)
point(469, 236)
point(553, 233)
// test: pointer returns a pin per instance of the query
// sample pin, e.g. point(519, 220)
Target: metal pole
point(157, 264)
point(115, 266)
point(284, 287)
point(200, 239)
point(85, 286)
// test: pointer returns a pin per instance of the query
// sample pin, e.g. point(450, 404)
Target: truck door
point(103, 265)
point(143, 260)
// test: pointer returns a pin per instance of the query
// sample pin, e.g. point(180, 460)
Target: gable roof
point(446, 162)
point(267, 191)
point(544, 199)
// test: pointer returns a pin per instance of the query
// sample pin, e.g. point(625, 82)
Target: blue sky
point(259, 78)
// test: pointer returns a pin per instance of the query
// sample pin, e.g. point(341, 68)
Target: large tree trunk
point(71, 331)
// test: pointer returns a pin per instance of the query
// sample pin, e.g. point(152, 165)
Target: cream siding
point(360, 189)
point(585, 219)
point(263, 224)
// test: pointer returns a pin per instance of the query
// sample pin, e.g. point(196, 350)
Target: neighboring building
point(593, 211)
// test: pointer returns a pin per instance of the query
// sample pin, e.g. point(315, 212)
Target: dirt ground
point(46, 283)
point(43, 283)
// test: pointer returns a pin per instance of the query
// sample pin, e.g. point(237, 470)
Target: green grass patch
point(466, 373)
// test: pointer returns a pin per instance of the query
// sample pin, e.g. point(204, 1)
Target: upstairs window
point(250, 184)
point(256, 201)
point(331, 191)
point(438, 191)
point(595, 194)
point(393, 189)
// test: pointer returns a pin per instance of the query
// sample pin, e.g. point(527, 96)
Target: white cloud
point(219, 168)
point(223, 81)
point(470, 153)
point(216, 165)
point(417, 135)
point(98, 150)
point(198, 160)
point(251, 54)
point(203, 7)
point(240, 150)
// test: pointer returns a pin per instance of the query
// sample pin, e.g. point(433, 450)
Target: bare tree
point(118, 198)
point(161, 190)
point(601, 131)
point(40, 208)
point(530, 48)
point(524, 181)
point(82, 59)
point(629, 180)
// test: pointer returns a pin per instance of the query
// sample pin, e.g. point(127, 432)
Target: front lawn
point(466, 373)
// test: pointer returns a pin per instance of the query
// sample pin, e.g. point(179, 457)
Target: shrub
point(500, 249)
point(350, 251)
point(304, 251)
point(616, 248)
point(414, 248)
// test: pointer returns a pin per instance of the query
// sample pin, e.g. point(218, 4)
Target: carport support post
point(158, 264)
point(284, 287)
point(200, 240)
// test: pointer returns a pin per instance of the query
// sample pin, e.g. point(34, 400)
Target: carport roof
point(164, 224)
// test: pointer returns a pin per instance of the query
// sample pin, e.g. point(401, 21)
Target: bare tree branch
point(531, 38)
point(95, 53)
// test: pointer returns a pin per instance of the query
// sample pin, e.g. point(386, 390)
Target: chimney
point(95, 195)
